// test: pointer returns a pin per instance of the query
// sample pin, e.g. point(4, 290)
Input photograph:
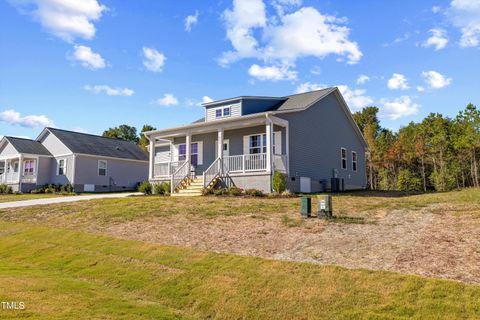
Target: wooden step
point(186, 194)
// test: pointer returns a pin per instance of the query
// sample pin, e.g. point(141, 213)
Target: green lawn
point(62, 274)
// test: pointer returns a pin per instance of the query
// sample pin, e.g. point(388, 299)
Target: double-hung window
point(343, 154)
point(29, 167)
point(354, 161)
point(61, 168)
point(182, 153)
point(218, 113)
point(226, 112)
point(102, 167)
point(257, 144)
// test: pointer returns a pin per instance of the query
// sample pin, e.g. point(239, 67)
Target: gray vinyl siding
point(235, 110)
point(316, 136)
point(61, 179)
point(44, 170)
point(120, 173)
point(54, 145)
point(250, 106)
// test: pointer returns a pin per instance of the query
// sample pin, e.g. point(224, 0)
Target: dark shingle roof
point(99, 146)
point(28, 146)
point(301, 100)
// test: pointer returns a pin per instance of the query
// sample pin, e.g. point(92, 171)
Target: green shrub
point(220, 192)
point(234, 191)
point(279, 183)
point(166, 186)
point(161, 188)
point(408, 181)
point(254, 192)
point(145, 187)
point(4, 189)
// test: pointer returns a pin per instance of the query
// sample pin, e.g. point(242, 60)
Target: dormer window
point(226, 112)
point(223, 112)
point(218, 113)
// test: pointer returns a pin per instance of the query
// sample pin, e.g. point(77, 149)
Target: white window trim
point(33, 168)
point(64, 167)
point(262, 146)
point(199, 152)
point(341, 158)
point(354, 168)
point(98, 168)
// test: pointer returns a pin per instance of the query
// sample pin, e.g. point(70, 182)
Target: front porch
point(243, 148)
point(18, 169)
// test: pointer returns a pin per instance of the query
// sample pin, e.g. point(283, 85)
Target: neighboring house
point(310, 137)
point(88, 162)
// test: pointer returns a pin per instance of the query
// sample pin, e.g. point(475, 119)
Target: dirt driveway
point(426, 242)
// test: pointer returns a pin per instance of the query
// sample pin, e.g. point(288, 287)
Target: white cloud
point(87, 58)
point(190, 21)
point(308, 86)
point(435, 79)
point(273, 73)
point(253, 35)
point(438, 39)
point(436, 9)
point(109, 91)
point(153, 59)
point(168, 99)
point(362, 79)
point(420, 89)
point(400, 39)
point(398, 82)
point(398, 108)
point(31, 121)
point(206, 99)
point(465, 14)
point(67, 20)
point(355, 98)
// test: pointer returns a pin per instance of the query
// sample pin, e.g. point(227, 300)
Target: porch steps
point(193, 189)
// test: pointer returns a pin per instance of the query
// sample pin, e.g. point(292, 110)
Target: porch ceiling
point(217, 125)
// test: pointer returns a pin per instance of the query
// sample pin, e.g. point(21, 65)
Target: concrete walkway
point(36, 202)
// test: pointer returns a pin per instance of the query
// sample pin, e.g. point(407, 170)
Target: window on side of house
point(354, 161)
point(29, 167)
point(218, 113)
point(61, 168)
point(102, 167)
point(343, 154)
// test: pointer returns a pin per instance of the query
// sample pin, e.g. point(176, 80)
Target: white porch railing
point(166, 169)
point(183, 172)
point(212, 172)
point(246, 162)
point(29, 178)
point(9, 177)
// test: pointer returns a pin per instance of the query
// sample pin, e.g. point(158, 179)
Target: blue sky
point(92, 64)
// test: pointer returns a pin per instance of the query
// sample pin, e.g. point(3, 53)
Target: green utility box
point(305, 207)
point(324, 209)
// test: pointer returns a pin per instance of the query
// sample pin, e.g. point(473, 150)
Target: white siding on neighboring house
point(235, 111)
point(8, 150)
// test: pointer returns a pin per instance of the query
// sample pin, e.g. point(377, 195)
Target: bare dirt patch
point(426, 242)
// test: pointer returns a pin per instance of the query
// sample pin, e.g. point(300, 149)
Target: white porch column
point(20, 172)
point(220, 144)
point(151, 160)
point(188, 147)
point(287, 149)
point(268, 131)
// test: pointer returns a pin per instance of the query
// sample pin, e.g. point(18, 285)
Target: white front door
point(225, 148)
point(305, 185)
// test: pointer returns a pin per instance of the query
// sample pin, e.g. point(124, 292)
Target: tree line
point(129, 133)
point(439, 153)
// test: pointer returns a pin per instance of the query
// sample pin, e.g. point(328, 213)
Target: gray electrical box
point(324, 208)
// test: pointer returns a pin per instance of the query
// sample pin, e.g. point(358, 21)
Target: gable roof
point(301, 101)
point(28, 146)
point(90, 144)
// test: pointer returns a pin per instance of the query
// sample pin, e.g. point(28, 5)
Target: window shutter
point(246, 144)
point(200, 152)
point(278, 142)
point(175, 152)
point(65, 167)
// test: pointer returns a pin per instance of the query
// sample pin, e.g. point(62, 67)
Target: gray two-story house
point(88, 162)
point(310, 137)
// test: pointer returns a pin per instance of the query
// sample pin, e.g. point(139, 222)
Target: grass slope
point(66, 274)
